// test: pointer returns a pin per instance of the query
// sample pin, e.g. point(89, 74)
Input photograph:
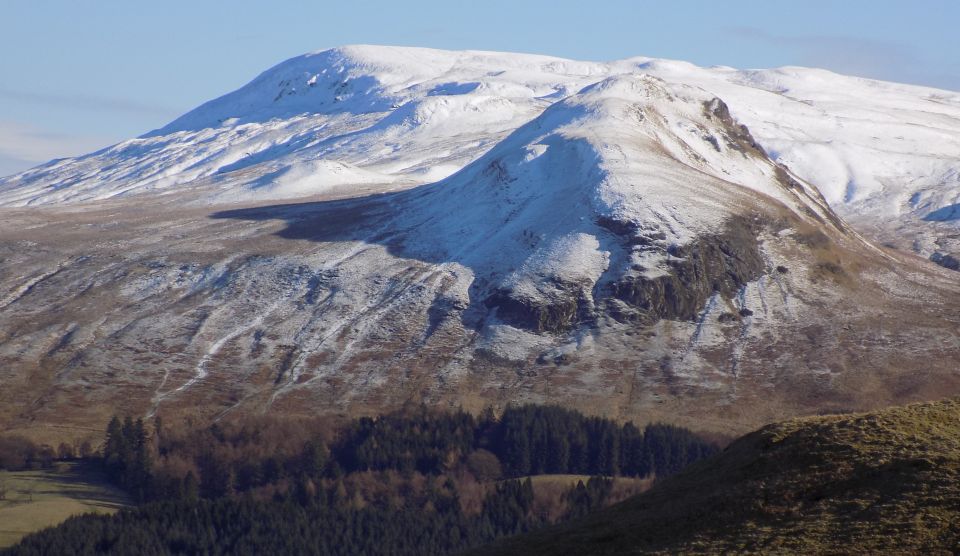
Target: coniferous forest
point(411, 482)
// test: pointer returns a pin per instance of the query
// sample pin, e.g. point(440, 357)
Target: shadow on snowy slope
point(529, 221)
point(504, 218)
point(397, 222)
point(944, 214)
point(717, 263)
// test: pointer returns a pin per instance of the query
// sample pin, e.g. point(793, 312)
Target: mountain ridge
point(544, 232)
point(394, 75)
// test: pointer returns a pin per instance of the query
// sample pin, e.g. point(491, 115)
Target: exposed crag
point(721, 263)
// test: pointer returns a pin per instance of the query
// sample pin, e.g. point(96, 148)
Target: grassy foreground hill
point(883, 482)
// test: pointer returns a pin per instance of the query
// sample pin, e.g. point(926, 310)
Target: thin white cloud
point(86, 102)
point(11, 165)
point(22, 144)
point(863, 57)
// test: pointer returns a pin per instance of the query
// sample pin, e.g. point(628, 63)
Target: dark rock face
point(738, 136)
point(946, 261)
point(718, 263)
point(727, 318)
point(631, 231)
point(561, 306)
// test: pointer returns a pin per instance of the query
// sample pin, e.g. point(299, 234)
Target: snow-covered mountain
point(397, 117)
point(369, 226)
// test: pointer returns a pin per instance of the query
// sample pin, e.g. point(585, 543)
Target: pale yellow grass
point(39, 499)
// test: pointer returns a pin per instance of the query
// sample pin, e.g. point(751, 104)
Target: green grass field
point(38, 499)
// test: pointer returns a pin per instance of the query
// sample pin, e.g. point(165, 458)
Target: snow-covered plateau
point(366, 227)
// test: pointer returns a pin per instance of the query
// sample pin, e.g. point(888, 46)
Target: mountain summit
point(402, 116)
point(373, 226)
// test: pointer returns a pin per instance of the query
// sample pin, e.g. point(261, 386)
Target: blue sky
point(76, 76)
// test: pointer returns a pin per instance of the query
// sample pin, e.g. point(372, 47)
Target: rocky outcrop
point(946, 261)
point(720, 263)
point(558, 307)
point(738, 136)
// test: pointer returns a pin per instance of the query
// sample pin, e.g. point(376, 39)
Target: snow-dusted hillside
point(388, 118)
point(364, 227)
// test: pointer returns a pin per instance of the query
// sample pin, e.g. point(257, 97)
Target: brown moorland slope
point(86, 342)
point(883, 482)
